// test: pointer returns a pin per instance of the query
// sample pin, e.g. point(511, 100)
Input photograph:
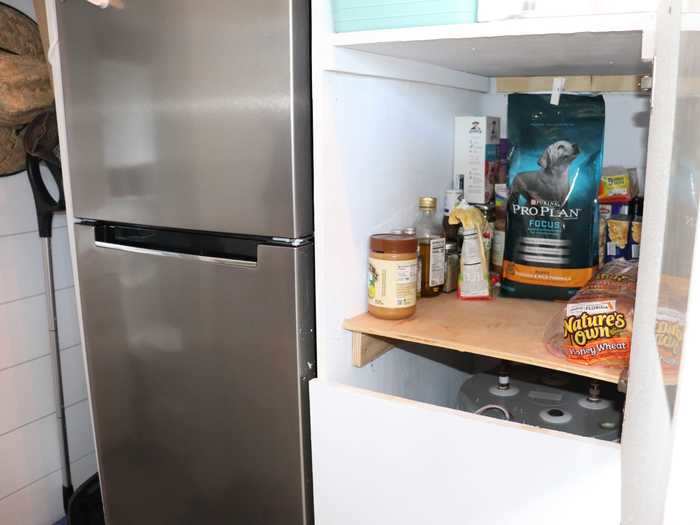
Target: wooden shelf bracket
point(367, 348)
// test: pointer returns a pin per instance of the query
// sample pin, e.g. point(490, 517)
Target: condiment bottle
point(489, 229)
point(412, 232)
point(431, 245)
point(452, 197)
point(391, 281)
point(451, 267)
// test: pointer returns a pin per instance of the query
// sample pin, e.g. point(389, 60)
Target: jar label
point(472, 282)
point(497, 248)
point(419, 262)
point(391, 284)
point(437, 262)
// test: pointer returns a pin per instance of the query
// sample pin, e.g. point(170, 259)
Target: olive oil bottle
point(431, 246)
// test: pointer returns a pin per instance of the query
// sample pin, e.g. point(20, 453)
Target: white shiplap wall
point(30, 478)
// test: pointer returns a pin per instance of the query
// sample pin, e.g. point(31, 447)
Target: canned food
point(616, 237)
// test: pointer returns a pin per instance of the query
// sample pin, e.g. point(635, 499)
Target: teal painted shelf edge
point(366, 15)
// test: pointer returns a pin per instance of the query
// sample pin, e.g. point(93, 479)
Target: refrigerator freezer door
point(192, 115)
point(198, 376)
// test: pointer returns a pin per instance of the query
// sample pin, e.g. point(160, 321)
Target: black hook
point(46, 205)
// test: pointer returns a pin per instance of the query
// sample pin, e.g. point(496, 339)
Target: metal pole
point(56, 369)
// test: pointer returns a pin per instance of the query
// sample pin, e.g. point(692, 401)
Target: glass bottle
point(431, 245)
point(451, 267)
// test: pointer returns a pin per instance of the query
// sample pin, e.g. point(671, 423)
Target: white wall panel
point(21, 270)
point(80, 436)
point(26, 393)
point(41, 502)
point(23, 331)
point(63, 273)
point(73, 370)
point(66, 310)
point(16, 205)
point(38, 504)
point(28, 454)
point(83, 468)
point(376, 153)
point(59, 220)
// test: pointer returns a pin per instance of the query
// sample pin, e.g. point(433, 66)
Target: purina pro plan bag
point(552, 222)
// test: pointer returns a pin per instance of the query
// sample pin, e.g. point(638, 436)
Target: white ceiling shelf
point(579, 45)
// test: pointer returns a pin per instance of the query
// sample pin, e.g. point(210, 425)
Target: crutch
point(46, 206)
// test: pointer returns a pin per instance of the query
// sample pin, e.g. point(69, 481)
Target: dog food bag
point(595, 327)
point(552, 233)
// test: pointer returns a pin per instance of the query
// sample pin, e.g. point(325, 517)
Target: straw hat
point(25, 84)
point(12, 154)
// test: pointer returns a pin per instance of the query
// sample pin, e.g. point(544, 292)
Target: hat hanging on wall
point(19, 34)
point(25, 84)
point(12, 154)
point(25, 88)
point(41, 138)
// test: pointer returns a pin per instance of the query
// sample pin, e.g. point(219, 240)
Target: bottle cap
point(393, 243)
point(427, 202)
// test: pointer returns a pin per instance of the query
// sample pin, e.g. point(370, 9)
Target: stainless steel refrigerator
point(189, 142)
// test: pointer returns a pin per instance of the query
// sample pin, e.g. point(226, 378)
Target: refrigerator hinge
point(300, 241)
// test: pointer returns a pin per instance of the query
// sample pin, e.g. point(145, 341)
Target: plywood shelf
point(510, 329)
point(574, 45)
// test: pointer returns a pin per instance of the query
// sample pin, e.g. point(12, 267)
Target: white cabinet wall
point(383, 451)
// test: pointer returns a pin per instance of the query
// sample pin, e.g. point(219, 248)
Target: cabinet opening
point(392, 142)
point(530, 395)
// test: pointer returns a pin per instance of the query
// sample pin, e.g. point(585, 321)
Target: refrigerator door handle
point(238, 263)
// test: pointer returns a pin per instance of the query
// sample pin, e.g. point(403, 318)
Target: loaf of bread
point(595, 326)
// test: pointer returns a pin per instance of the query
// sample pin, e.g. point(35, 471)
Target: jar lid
point(393, 243)
point(427, 202)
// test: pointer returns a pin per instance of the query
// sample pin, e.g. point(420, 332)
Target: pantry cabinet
point(388, 444)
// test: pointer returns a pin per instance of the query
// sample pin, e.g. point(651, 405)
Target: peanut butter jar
point(391, 279)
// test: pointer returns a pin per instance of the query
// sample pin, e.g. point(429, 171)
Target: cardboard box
point(476, 157)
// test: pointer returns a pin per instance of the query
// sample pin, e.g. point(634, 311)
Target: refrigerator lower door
point(198, 370)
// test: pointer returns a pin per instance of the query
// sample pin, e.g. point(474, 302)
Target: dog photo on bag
point(551, 181)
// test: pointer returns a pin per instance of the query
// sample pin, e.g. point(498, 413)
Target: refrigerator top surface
point(190, 115)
